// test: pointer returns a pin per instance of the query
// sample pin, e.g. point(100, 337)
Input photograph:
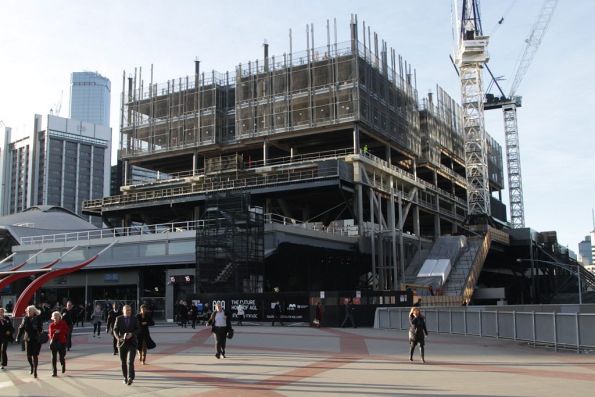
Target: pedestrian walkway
point(296, 361)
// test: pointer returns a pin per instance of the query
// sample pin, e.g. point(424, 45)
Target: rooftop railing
point(176, 227)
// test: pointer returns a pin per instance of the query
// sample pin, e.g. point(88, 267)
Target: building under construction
point(357, 181)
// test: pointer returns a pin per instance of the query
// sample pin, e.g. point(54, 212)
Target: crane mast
point(470, 59)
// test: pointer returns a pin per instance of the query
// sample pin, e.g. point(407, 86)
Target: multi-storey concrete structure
point(63, 163)
point(331, 134)
point(314, 171)
point(90, 98)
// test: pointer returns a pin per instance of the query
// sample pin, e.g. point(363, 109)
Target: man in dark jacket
point(277, 314)
point(349, 314)
point(126, 331)
point(69, 316)
point(109, 328)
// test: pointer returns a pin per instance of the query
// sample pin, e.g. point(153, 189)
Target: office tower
point(90, 98)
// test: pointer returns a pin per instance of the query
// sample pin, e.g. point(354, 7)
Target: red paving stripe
point(265, 387)
point(350, 343)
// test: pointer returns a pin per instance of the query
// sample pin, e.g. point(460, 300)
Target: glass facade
point(90, 98)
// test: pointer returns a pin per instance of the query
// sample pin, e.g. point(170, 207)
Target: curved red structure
point(14, 277)
point(28, 293)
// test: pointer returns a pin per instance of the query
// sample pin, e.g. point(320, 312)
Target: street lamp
point(567, 267)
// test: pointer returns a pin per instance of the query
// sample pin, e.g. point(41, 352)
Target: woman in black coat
point(417, 332)
point(6, 336)
point(30, 330)
point(145, 321)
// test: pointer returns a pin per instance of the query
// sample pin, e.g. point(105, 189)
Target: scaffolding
point(230, 245)
point(325, 86)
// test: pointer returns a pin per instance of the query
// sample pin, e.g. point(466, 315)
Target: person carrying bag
point(58, 334)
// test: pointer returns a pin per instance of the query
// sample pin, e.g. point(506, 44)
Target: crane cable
point(501, 20)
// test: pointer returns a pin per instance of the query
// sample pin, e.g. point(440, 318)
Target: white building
point(64, 162)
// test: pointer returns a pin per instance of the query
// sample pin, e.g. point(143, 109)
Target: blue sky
point(42, 42)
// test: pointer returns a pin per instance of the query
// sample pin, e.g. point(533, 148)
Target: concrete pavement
point(296, 361)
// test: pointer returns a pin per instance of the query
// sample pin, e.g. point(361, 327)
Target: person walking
point(69, 315)
point(111, 321)
point(277, 314)
point(220, 323)
point(193, 314)
point(417, 332)
point(58, 334)
point(145, 342)
point(30, 330)
point(318, 315)
point(97, 317)
point(6, 336)
point(240, 313)
point(126, 331)
point(349, 314)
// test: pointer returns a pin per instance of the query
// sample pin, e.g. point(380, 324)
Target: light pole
point(576, 272)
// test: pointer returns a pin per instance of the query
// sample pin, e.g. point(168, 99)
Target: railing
point(176, 227)
point(560, 330)
point(346, 230)
point(478, 262)
point(213, 185)
point(412, 177)
point(161, 228)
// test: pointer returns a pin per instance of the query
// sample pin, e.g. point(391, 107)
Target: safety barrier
point(558, 330)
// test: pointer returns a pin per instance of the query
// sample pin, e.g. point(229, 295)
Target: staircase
point(463, 277)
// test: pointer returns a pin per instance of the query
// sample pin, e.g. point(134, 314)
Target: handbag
point(230, 333)
point(43, 337)
point(150, 343)
point(55, 345)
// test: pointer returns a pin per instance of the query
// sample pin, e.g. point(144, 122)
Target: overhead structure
point(470, 59)
point(509, 104)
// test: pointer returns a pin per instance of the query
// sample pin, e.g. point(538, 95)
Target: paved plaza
point(296, 361)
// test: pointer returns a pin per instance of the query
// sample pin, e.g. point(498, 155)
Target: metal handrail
point(174, 227)
point(212, 185)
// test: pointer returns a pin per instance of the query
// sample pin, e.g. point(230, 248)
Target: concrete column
point(356, 139)
point(393, 239)
point(437, 231)
point(265, 152)
point(401, 245)
point(373, 241)
point(416, 229)
point(387, 154)
point(125, 172)
point(194, 162)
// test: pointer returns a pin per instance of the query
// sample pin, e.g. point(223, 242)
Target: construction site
point(306, 176)
point(359, 183)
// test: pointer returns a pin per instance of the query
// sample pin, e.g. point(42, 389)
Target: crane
point(470, 58)
point(57, 106)
point(509, 105)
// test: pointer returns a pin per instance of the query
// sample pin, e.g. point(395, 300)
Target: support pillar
point(393, 240)
point(356, 139)
point(401, 245)
point(265, 152)
point(373, 241)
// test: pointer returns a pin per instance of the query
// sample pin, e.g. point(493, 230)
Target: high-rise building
point(64, 162)
point(90, 98)
point(585, 251)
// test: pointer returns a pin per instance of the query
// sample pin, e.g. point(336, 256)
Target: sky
point(43, 42)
